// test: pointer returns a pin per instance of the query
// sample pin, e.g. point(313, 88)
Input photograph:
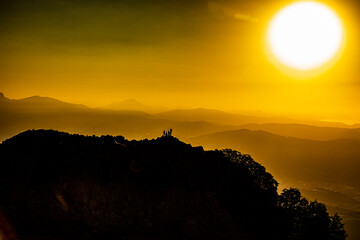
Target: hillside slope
point(60, 186)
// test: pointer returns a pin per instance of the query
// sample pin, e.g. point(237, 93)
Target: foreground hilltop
point(55, 185)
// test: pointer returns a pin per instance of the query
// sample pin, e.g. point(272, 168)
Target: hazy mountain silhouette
point(213, 115)
point(132, 104)
point(38, 112)
point(210, 115)
point(306, 131)
point(60, 186)
point(3, 98)
point(36, 103)
point(42, 112)
point(329, 161)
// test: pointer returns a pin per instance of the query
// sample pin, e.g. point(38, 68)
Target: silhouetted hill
point(60, 186)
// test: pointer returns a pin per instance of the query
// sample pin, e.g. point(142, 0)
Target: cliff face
point(60, 186)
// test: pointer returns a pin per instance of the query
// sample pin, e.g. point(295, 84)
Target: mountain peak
point(2, 97)
point(131, 101)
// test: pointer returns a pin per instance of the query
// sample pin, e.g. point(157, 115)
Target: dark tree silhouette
point(309, 220)
point(337, 230)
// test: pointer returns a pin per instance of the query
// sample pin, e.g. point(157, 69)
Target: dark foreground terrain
point(54, 185)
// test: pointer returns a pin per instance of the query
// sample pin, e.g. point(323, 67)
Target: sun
point(305, 35)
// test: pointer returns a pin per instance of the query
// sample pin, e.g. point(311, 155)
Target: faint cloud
point(226, 9)
point(245, 17)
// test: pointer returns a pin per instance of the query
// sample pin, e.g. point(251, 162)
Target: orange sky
point(184, 53)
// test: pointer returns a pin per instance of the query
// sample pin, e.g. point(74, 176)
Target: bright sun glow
point(305, 35)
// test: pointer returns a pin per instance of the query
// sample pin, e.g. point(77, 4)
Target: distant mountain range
point(44, 112)
point(306, 131)
point(213, 115)
point(132, 104)
point(335, 161)
point(36, 103)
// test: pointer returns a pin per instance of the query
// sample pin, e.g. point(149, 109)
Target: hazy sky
point(171, 53)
